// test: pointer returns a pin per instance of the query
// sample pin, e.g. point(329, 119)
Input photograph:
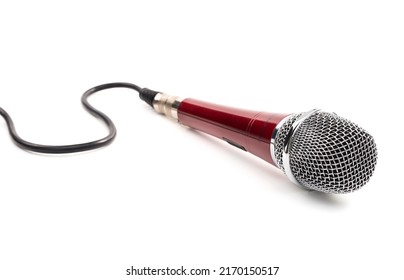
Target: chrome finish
point(167, 105)
point(324, 152)
point(331, 154)
point(280, 139)
point(273, 137)
point(289, 141)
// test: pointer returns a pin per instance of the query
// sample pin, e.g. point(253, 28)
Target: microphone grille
point(327, 153)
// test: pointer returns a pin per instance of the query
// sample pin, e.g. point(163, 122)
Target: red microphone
point(318, 150)
point(315, 149)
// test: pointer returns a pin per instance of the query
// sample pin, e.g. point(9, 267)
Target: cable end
point(148, 95)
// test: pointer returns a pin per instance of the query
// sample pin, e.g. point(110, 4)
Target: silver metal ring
point(289, 141)
point(273, 136)
point(167, 105)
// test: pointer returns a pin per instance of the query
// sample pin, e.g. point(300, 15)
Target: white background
point(164, 195)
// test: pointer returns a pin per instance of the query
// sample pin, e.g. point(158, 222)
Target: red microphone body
point(248, 130)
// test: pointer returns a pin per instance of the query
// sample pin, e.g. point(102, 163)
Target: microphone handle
point(248, 130)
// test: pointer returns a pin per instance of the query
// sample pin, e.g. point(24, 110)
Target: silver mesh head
point(326, 153)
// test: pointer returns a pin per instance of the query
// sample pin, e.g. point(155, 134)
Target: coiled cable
point(74, 148)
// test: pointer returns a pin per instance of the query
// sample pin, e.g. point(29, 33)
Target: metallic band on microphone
point(167, 105)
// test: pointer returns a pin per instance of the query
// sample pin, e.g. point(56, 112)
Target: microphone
point(317, 150)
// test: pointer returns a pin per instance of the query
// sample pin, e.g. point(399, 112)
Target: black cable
point(145, 94)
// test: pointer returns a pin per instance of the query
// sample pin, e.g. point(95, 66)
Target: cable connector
point(147, 95)
point(162, 103)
